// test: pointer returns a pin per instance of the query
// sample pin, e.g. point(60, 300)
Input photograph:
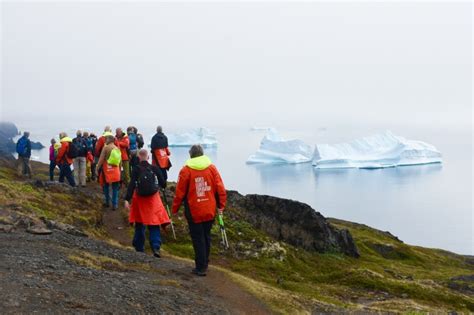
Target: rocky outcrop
point(293, 222)
point(8, 131)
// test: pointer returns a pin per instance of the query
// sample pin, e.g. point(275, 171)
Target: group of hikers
point(119, 159)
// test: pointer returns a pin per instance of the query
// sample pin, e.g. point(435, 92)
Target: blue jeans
point(52, 166)
point(115, 193)
point(65, 172)
point(139, 237)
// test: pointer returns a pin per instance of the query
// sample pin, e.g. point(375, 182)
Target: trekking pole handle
point(220, 219)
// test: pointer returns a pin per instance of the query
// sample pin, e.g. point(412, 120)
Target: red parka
point(99, 146)
point(62, 157)
point(161, 158)
point(148, 210)
point(200, 186)
point(124, 144)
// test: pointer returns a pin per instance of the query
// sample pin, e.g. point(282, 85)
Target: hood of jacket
point(66, 139)
point(199, 163)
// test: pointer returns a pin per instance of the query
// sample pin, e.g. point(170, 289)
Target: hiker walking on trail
point(160, 152)
point(109, 164)
point(136, 143)
point(99, 145)
point(91, 143)
point(201, 189)
point(124, 145)
point(64, 159)
point(89, 155)
point(23, 148)
point(53, 152)
point(79, 158)
point(146, 208)
point(101, 142)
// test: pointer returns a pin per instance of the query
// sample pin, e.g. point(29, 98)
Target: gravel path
point(60, 273)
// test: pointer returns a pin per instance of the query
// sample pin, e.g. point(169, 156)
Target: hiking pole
point(223, 232)
point(169, 213)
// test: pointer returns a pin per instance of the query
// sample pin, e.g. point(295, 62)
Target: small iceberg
point(202, 136)
point(378, 151)
point(257, 128)
point(276, 150)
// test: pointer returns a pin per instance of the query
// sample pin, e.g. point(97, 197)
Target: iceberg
point(257, 128)
point(276, 150)
point(202, 136)
point(378, 151)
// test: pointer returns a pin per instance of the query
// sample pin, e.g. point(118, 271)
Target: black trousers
point(201, 237)
point(65, 172)
point(165, 173)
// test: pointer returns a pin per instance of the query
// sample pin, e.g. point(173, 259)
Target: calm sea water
point(428, 205)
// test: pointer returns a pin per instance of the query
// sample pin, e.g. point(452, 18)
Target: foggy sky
point(234, 63)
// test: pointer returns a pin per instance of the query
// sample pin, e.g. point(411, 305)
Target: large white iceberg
point(378, 151)
point(276, 150)
point(202, 136)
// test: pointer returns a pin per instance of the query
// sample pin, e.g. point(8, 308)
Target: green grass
point(388, 276)
point(404, 278)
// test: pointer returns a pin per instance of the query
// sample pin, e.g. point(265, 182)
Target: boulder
point(293, 222)
point(8, 129)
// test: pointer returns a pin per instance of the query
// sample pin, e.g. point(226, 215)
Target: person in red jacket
point(100, 143)
point(201, 189)
point(160, 151)
point(64, 161)
point(123, 143)
point(146, 210)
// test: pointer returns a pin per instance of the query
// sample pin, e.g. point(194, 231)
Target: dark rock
point(69, 229)
point(388, 251)
point(467, 278)
point(293, 222)
point(36, 145)
point(8, 129)
point(6, 228)
point(38, 230)
point(469, 259)
point(39, 183)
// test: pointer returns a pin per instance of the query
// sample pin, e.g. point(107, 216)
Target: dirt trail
point(227, 292)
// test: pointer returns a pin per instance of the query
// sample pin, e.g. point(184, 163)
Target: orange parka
point(161, 158)
point(124, 144)
point(201, 188)
point(62, 157)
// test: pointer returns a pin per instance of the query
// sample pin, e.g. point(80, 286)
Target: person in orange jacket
point(109, 175)
point(146, 206)
point(100, 143)
point(160, 152)
point(123, 143)
point(64, 161)
point(202, 190)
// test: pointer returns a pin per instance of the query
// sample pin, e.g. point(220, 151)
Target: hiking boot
point(105, 205)
point(198, 272)
point(114, 208)
point(156, 253)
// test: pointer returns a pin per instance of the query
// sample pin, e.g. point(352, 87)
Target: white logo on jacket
point(201, 188)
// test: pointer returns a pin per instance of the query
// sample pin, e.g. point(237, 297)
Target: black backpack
point(73, 151)
point(82, 145)
point(147, 182)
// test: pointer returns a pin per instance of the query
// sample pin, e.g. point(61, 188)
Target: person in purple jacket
point(53, 151)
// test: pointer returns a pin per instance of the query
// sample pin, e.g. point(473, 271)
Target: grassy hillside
point(389, 275)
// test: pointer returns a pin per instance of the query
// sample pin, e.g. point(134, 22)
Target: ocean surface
point(426, 205)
